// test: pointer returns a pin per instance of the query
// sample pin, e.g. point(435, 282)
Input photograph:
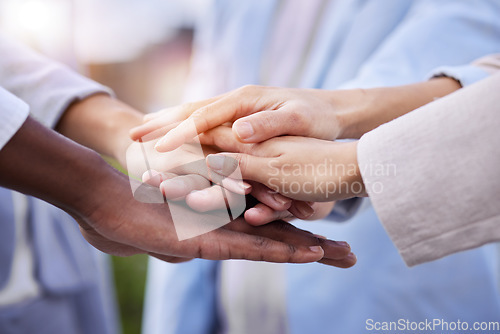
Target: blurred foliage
point(130, 280)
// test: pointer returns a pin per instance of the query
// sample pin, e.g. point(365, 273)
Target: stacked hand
point(81, 183)
point(307, 169)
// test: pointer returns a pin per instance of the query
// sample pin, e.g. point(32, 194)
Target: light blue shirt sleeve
point(466, 75)
point(433, 34)
point(429, 39)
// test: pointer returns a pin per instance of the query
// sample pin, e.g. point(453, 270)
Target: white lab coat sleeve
point(13, 113)
point(46, 86)
point(439, 192)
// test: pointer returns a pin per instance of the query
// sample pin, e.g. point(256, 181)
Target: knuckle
point(199, 117)
point(261, 242)
point(188, 108)
point(240, 161)
point(248, 88)
point(297, 120)
point(292, 249)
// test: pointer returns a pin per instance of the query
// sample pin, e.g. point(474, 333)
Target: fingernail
point(280, 199)
point(174, 183)
point(149, 175)
point(316, 249)
point(244, 130)
point(305, 210)
point(352, 257)
point(254, 211)
point(199, 193)
point(215, 162)
point(343, 244)
point(160, 143)
point(245, 185)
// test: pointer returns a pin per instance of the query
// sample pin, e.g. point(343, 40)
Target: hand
point(182, 174)
point(301, 168)
point(39, 162)
point(258, 113)
point(125, 226)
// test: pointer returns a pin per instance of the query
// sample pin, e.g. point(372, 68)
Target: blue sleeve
point(466, 75)
point(433, 34)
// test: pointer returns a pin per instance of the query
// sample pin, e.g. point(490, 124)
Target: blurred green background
point(130, 279)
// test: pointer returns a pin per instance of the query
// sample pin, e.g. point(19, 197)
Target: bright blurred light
point(44, 24)
point(35, 16)
point(111, 31)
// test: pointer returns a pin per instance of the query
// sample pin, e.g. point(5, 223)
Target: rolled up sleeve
point(13, 113)
point(46, 86)
point(469, 74)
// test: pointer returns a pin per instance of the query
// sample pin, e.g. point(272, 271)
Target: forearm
point(101, 123)
point(376, 106)
point(41, 163)
point(432, 159)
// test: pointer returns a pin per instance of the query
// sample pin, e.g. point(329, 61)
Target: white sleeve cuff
point(13, 114)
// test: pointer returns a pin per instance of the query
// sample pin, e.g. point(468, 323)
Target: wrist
point(349, 107)
point(101, 123)
point(41, 163)
point(359, 117)
point(373, 107)
point(347, 177)
point(355, 179)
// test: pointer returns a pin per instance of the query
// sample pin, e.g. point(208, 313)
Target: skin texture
point(109, 135)
point(285, 165)
point(260, 113)
point(78, 181)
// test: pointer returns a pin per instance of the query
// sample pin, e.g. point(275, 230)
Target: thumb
point(248, 166)
point(268, 124)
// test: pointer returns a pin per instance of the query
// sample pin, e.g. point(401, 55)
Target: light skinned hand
point(305, 169)
point(258, 113)
point(183, 175)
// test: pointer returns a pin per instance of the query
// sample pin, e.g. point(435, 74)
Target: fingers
point(157, 126)
point(170, 259)
point(268, 124)
point(301, 210)
point(223, 137)
point(346, 262)
point(202, 120)
point(181, 186)
point(269, 197)
point(213, 198)
point(259, 244)
point(175, 187)
point(297, 240)
point(262, 214)
point(231, 106)
point(251, 167)
point(159, 123)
